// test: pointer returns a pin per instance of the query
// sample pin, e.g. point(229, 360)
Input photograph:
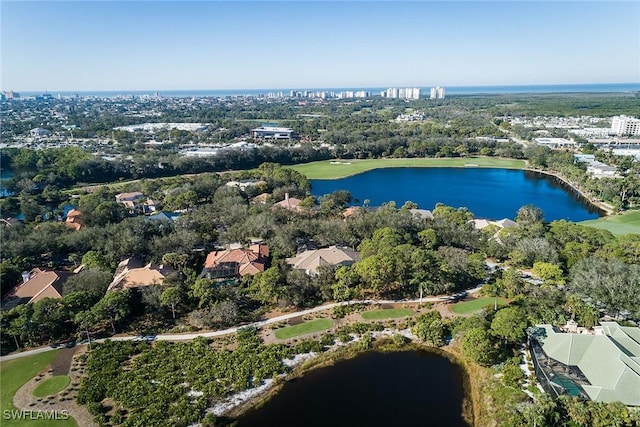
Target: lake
point(405, 388)
point(488, 193)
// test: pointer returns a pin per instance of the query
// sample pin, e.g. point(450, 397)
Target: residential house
point(74, 219)
point(163, 215)
point(130, 200)
point(149, 207)
point(291, 203)
point(244, 184)
point(132, 273)
point(36, 285)
point(9, 221)
point(602, 365)
point(236, 262)
point(480, 224)
point(310, 261)
point(350, 211)
point(261, 198)
point(422, 213)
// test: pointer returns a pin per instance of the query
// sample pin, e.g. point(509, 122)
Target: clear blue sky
point(162, 45)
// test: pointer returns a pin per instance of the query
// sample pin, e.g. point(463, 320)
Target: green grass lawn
point(13, 375)
point(52, 386)
point(476, 304)
point(304, 328)
point(325, 170)
point(626, 223)
point(389, 313)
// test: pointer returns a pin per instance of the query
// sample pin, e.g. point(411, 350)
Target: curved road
point(188, 336)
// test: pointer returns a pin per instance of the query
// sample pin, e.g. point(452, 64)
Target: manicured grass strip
point(52, 386)
point(476, 304)
point(13, 375)
point(626, 223)
point(325, 169)
point(304, 328)
point(389, 313)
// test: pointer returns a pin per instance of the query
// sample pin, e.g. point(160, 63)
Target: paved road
point(190, 336)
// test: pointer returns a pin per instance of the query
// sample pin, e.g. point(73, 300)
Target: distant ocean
point(450, 90)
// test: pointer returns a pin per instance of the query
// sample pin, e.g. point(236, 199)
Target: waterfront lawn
point(626, 223)
point(52, 386)
point(474, 305)
point(13, 375)
point(389, 313)
point(304, 328)
point(326, 170)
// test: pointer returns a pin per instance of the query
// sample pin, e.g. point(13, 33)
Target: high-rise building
point(625, 126)
point(437, 93)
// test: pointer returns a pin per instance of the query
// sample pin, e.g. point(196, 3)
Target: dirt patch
point(62, 363)
point(295, 321)
point(444, 309)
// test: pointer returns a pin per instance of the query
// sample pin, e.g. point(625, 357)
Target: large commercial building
point(271, 132)
point(625, 126)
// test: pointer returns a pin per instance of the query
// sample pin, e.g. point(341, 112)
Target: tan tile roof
point(150, 274)
point(261, 198)
point(350, 211)
point(246, 261)
point(41, 284)
point(290, 203)
point(74, 219)
point(309, 261)
point(128, 196)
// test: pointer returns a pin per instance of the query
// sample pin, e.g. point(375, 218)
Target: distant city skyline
point(164, 45)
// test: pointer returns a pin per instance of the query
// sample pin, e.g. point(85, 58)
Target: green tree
point(551, 273)
point(477, 346)
point(171, 297)
point(510, 323)
point(114, 307)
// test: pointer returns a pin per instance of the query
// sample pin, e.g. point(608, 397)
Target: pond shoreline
point(601, 206)
point(350, 351)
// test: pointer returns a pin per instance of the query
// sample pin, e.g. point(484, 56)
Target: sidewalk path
point(211, 334)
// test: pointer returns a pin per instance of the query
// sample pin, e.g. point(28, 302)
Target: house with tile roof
point(236, 262)
point(130, 200)
point(74, 219)
point(132, 273)
point(291, 203)
point(603, 365)
point(37, 284)
point(310, 261)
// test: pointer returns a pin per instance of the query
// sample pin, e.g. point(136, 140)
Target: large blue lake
point(488, 193)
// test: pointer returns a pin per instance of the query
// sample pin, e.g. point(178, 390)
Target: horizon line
point(325, 87)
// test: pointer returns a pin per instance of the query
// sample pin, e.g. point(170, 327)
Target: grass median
point(474, 305)
point(52, 386)
point(304, 328)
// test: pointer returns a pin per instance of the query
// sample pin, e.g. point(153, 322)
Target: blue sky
point(162, 45)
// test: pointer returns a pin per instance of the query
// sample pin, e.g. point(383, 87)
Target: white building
point(40, 133)
point(601, 170)
point(404, 93)
point(271, 132)
point(437, 93)
point(625, 125)
point(554, 142)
